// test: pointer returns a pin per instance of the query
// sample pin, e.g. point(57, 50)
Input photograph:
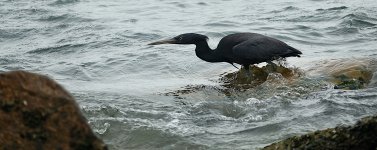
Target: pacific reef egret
point(241, 48)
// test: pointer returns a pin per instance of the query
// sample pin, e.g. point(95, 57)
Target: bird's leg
point(234, 65)
point(247, 71)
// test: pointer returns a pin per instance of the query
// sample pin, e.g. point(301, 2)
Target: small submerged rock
point(362, 136)
point(37, 113)
point(349, 74)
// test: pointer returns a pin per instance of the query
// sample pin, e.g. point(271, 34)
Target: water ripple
point(64, 49)
point(333, 8)
point(64, 18)
point(63, 2)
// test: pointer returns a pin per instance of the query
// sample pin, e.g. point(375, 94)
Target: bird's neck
point(204, 52)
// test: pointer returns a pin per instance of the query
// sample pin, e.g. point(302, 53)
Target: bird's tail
point(294, 52)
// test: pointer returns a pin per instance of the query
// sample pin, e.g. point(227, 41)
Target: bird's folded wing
point(258, 50)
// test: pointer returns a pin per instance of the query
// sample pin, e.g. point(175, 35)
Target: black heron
point(241, 48)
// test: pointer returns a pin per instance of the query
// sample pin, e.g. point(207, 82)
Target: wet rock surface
point(362, 136)
point(349, 74)
point(238, 81)
point(37, 113)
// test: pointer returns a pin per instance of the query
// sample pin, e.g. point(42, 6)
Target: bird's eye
point(180, 38)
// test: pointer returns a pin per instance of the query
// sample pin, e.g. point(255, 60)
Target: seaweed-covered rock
point(37, 113)
point(239, 80)
point(362, 136)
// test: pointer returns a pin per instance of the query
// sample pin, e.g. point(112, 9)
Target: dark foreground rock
point(362, 136)
point(37, 113)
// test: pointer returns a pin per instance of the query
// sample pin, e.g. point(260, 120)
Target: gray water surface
point(98, 50)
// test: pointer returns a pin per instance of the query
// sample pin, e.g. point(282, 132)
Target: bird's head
point(187, 38)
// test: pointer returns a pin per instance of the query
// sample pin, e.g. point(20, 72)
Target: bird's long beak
point(168, 41)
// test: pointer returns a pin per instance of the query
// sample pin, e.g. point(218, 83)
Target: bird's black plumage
point(241, 48)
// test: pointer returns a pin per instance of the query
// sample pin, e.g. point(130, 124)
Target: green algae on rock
point(37, 113)
point(362, 136)
point(238, 80)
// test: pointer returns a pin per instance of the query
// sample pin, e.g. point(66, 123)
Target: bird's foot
point(248, 74)
point(271, 67)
